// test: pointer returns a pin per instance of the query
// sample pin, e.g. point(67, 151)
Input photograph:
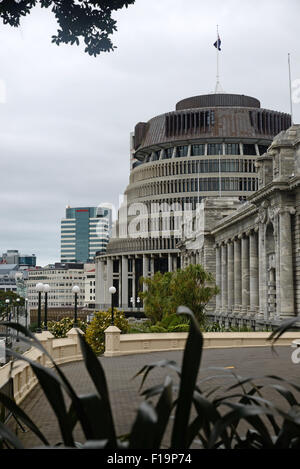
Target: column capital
point(287, 209)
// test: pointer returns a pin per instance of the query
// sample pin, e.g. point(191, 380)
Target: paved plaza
point(124, 391)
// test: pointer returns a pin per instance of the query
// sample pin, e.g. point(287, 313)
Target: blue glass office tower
point(84, 231)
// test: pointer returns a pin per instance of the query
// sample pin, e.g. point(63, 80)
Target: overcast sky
point(65, 125)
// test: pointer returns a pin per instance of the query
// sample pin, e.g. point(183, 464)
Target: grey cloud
point(64, 131)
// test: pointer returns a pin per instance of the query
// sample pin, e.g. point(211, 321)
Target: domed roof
point(218, 100)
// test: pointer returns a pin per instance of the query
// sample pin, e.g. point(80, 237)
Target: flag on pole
point(218, 43)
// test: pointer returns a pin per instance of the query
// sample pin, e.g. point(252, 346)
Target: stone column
point(262, 271)
point(245, 275)
point(287, 306)
point(237, 276)
point(133, 283)
point(218, 279)
point(124, 286)
point(145, 270)
point(170, 263)
point(230, 276)
point(152, 266)
point(174, 263)
point(224, 290)
point(254, 302)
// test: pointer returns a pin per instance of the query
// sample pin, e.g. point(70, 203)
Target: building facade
point(254, 249)
point(206, 148)
point(90, 286)
point(23, 261)
point(85, 231)
point(61, 279)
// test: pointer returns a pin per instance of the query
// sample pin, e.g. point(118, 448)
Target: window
point(215, 149)
point(198, 150)
point(249, 149)
point(182, 151)
point(168, 153)
point(232, 149)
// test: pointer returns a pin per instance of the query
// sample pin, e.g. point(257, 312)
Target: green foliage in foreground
point(192, 286)
point(191, 410)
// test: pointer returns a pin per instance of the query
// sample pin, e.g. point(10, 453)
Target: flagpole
point(290, 80)
point(220, 177)
point(218, 62)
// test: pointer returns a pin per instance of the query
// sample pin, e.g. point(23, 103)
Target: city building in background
point(61, 278)
point(85, 231)
point(90, 286)
point(12, 278)
point(23, 261)
point(8, 277)
point(206, 148)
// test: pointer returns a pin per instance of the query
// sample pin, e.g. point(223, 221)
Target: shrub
point(139, 328)
point(95, 336)
point(192, 286)
point(157, 328)
point(60, 328)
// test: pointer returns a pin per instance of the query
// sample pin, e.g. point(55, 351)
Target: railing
point(117, 344)
point(19, 371)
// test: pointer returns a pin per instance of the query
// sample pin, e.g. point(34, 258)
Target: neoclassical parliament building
point(236, 164)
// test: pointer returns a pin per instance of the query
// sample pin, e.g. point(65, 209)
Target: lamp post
point(138, 300)
point(46, 290)
point(39, 288)
point(132, 302)
point(7, 301)
point(18, 302)
point(26, 312)
point(112, 291)
point(75, 290)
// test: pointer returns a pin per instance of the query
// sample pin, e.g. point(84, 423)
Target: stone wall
point(117, 344)
point(61, 350)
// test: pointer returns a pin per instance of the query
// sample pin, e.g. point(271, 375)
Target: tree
point(192, 287)
point(90, 20)
point(157, 296)
point(12, 297)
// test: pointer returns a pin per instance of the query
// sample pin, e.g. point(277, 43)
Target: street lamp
point(26, 312)
point(18, 302)
point(132, 302)
point(7, 301)
point(112, 291)
point(75, 290)
point(138, 300)
point(46, 290)
point(39, 288)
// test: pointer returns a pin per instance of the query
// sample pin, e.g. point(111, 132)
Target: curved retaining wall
point(23, 378)
point(117, 344)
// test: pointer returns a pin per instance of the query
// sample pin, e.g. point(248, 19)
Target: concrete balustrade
point(61, 350)
point(118, 344)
